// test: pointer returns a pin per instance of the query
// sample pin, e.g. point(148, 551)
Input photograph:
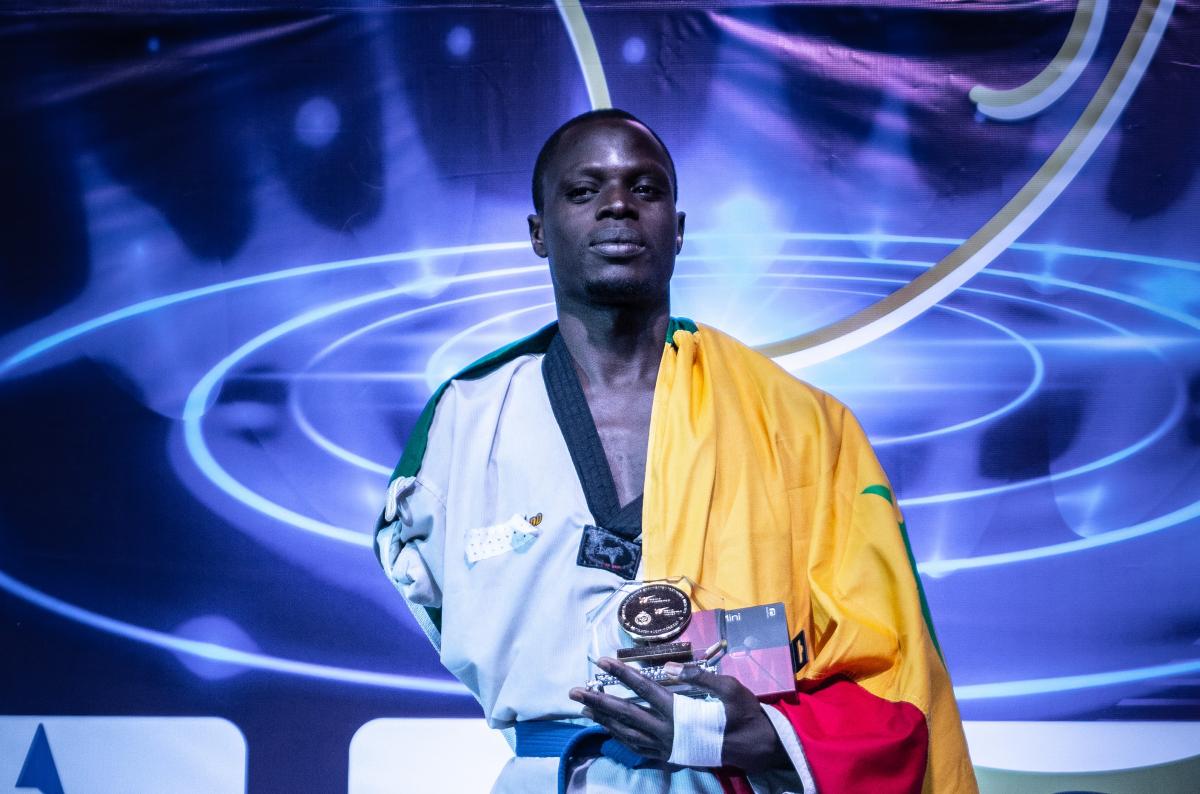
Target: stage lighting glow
point(317, 123)
point(459, 41)
point(633, 50)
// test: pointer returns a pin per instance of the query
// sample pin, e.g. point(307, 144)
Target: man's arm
point(408, 540)
point(851, 740)
point(795, 507)
point(874, 709)
point(410, 532)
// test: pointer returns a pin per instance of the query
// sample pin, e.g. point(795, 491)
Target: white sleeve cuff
point(412, 576)
point(406, 567)
point(699, 732)
point(787, 736)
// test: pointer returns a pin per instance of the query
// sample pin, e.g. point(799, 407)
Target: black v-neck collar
point(574, 418)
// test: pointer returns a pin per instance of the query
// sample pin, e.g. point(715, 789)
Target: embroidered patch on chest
point(604, 549)
point(513, 535)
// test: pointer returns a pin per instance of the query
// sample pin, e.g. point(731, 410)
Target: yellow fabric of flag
point(766, 489)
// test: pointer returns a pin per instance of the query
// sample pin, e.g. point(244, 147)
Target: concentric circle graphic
point(495, 305)
point(865, 326)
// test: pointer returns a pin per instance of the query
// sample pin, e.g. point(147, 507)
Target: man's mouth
point(617, 243)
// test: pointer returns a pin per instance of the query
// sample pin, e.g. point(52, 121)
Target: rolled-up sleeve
point(410, 535)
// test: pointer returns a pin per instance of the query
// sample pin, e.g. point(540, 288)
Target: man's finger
point(723, 686)
point(657, 696)
point(606, 707)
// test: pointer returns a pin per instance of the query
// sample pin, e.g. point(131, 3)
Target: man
point(694, 458)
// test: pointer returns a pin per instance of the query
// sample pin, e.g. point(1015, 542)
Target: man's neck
point(615, 346)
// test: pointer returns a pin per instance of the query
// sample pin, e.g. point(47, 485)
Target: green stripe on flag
point(880, 490)
point(912, 561)
point(886, 493)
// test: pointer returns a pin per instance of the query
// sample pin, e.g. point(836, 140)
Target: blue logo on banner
point(39, 771)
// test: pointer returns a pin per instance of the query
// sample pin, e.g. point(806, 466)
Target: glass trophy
point(647, 624)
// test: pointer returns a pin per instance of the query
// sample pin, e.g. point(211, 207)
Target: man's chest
point(622, 419)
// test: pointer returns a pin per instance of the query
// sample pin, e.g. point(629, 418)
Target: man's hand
point(647, 730)
point(750, 742)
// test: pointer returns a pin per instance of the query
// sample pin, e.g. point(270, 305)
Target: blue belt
point(546, 738)
point(568, 741)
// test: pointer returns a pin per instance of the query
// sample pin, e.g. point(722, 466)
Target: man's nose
point(616, 202)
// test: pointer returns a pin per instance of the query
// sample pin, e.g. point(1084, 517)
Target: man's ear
point(680, 217)
point(535, 236)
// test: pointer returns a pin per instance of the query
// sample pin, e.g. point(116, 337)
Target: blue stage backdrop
point(241, 247)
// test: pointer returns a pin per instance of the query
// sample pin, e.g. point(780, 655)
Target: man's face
point(608, 224)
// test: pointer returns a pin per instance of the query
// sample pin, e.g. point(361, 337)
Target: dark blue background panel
point(241, 248)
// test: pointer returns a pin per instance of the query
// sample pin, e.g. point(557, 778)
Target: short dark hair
point(550, 149)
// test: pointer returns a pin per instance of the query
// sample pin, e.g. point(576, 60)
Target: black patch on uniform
point(616, 545)
point(604, 549)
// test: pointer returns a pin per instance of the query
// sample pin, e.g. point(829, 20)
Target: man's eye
point(648, 191)
point(580, 193)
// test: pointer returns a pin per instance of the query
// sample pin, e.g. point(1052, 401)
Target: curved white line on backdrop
point(333, 448)
point(1043, 686)
point(1006, 225)
point(1034, 96)
point(586, 53)
point(221, 653)
point(205, 390)
point(70, 333)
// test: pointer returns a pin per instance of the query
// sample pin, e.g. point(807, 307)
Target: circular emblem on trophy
point(655, 613)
